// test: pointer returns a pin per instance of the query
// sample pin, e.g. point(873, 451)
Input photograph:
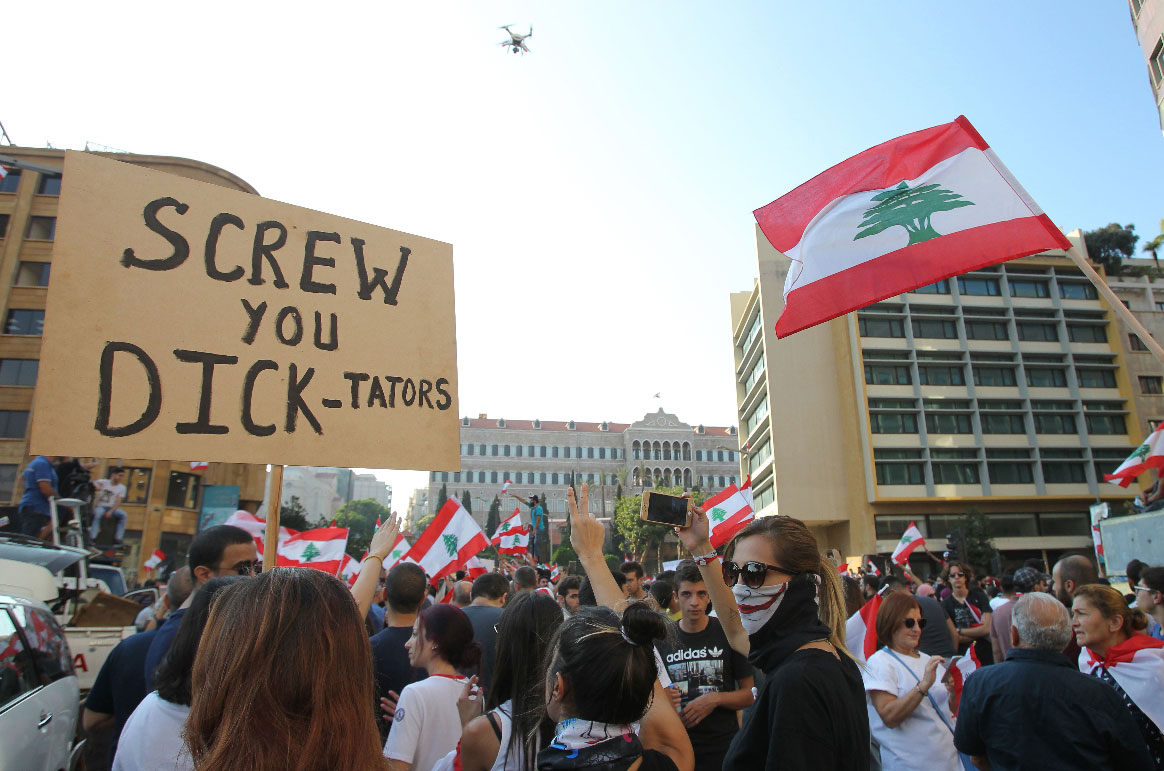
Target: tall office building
point(367, 486)
point(164, 498)
point(1005, 390)
point(539, 456)
point(1148, 20)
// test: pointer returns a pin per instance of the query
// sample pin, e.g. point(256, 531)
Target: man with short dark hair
point(633, 572)
point(222, 550)
point(40, 484)
point(568, 589)
point(1036, 710)
point(1070, 573)
point(107, 498)
point(404, 591)
point(664, 595)
point(525, 579)
point(489, 593)
point(710, 680)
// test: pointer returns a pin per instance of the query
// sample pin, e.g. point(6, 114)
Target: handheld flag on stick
point(911, 211)
point(322, 549)
point(727, 513)
point(910, 541)
point(155, 559)
point(448, 542)
point(1149, 455)
point(861, 629)
point(510, 522)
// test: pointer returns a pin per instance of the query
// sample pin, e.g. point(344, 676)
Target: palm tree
point(1155, 245)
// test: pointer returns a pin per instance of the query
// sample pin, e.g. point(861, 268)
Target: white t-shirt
point(152, 738)
point(999, 601)
point(426, 725)
point(922, 742)
point(107, 492)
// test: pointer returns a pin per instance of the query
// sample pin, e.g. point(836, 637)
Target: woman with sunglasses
point(969, 608)
point(781, 604)
point(911, 720)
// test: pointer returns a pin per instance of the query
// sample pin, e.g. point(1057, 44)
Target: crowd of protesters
point(736, 659)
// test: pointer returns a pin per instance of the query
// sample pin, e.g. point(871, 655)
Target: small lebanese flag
point(257, 527)
point(322, 549)
point(3, 173)
point(910, 541)
point(505, 487)
point(514, 541)
point(746, 491)
point(155, 559)
point(871, 567)
point(546, 591)
point(400, 548)
point(963, 668)
point(1148, 455)
point(448, 542)
point(843, 568)
point(727, 513)
point(510, 522)
point(475, 568)
point(1137, 664)
point(555, 574)
point(911, 211)
point(199, 465)
point(861, 629)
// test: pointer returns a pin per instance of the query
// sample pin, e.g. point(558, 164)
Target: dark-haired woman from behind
point(283, 679)
point(152, 737)
point(427, 724)
point(508, 736)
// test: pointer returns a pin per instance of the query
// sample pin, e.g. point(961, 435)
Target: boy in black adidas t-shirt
point(711, 681)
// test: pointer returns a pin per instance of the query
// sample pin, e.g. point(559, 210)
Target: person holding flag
point(537, 516)
point(969, 608)
point(1114, 648)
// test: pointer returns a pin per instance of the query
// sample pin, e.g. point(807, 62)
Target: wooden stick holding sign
point(1117, 304)
point(274, 498)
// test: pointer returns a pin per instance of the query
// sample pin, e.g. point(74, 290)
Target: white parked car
point(39, 695)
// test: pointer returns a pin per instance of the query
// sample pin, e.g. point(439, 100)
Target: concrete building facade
point(540, 456)
point(164, 497)
point(1006, 390)
point(365, 486)
point(1148, 20)
point(1140, 284)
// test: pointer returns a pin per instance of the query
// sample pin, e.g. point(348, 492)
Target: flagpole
point(1117, 304)
point(274, 496)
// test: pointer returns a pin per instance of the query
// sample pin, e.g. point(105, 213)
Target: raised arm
point(696, 539)
point(586, 537)
point(517, 497)
point(365, 587)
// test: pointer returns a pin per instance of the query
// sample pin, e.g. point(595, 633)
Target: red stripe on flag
point(475, 546)
point(434, 529)
point(726, 530)
point(868, 613)
point(784, 220)
point(1128, 475)
point(715, 500)
point(917, 265)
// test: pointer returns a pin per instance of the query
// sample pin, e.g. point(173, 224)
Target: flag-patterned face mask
point(757, 606)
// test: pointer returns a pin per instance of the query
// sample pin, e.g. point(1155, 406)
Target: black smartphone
point(662, 509)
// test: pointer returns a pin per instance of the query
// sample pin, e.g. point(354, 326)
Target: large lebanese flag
point(1137, 664)
point(514, 541)
point(909, 541)
point(322, 549)
point(512, 521)
point(448, 542)
point(398, 553)
point(861, 630)
point(257, 528)
point(727, 513)
point(1148, 455)
point(911, 211)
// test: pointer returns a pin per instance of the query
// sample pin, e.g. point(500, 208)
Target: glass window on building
point(1054, 424)
point(8, 474)
point(1135, 343)
point(518, 450)
point(890, 528)
point(589, 452)
point(986, 330)
point(10, 182)
point(541, 451)
point(1107, 459)
point(870, 326)
point(13, 424)
point(993, 376)
point(18, 372)
point(3, 225)
point(554, 479)
point(887, 374)
point(1106, 424)
point(1151, 384)
point(971, 285)
point(1096, 378)
point(1046, 377)
point(935, 328)
point(33, 273)
point(24, 322)
point(1013, 525)
point(1077, 291)
point(49, 185)
point(41, 228)
point(493, 450)
point(1087, 333)
point(896, 466)
point(955, 473)
point(1064, 523)
point(469, 448)
point(1002, 423)
point(1063, 472)
point(939, 287)
point(1023, 287)
point(1010, 472)
point(948, 423)
point(941, 376)
point(182, 491)
point(1037, 331)
point(506, 451)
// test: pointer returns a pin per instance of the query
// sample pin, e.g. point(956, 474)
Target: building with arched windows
point(542, 457)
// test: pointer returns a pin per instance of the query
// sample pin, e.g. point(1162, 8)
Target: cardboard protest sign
point(186, 320)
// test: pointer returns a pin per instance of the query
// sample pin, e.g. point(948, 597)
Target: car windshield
point(37, 552)
point(111, 577)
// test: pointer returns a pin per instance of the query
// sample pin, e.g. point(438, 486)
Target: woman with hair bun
point(427, 724)
point(1114, 648)
point(781, 604)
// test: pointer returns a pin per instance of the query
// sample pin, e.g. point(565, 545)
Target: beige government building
point(1010, 389)
point(163, 497)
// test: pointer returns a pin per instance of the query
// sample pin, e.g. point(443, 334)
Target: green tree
point(493, 520)
point(423, 523)
point(1156, 245)
point(359, 517)
point(639, 536)
point(564, 555)
point(442, 497)
point(910, 208)
point(1111, 245)
point(295, 516)
point(977, 543)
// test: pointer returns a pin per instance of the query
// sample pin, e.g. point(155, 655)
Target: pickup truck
point(93, 617)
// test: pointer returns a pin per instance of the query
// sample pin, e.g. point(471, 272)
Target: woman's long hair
point(283, 679)
point(524, 631)
point(174, 673)
point(796, 549)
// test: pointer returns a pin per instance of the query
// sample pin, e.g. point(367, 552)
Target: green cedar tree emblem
point(310, 553)
point(450, 542)
point(1141, 452)
point(396, 554)
point(718, 514)
point(911, 208)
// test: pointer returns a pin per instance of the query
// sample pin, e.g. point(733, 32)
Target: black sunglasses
point(753, 573)
point(909, 622)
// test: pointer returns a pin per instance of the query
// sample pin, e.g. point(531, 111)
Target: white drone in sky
point(516, 42)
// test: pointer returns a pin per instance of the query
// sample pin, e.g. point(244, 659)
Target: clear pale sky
point(598, 191)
